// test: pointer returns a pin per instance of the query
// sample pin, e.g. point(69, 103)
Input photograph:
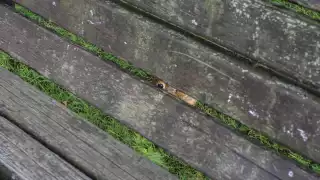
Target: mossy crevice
point(260, 138)
point(315, 15)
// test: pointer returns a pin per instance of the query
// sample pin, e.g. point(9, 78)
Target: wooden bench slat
point(282, 111)
point(267, 35)
point(81, 143)
point(27, 159)
point(280, 41)
point(193, 137)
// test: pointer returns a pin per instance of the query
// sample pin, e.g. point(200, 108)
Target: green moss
point(297, 8)
point(98, 118)
point(316, 168)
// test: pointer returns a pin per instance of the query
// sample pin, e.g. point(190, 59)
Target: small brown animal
point(176, 93)
point(162, 85)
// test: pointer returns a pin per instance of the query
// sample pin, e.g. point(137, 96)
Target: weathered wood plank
point(312, 4)
point(272, 37)
point(195, 138)
point(94, 151)
point(115, 158)
point(250, 27)
point(27, 159)
point(285, 112)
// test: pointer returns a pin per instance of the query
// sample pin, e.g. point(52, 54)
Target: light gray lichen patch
point(67, 69)
point(229, 97)
point(132, 107)
point(194, 22)
point(158, 97)
point(288, 130)
point(241, 8)
point(172, 9)
point(214, 10)
point(190, 117)
point(316, 62)
point(257, 31)
point(144, 40)
point(303, 134)
point(253, 113)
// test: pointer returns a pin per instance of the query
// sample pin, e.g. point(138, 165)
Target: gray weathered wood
point(273, 38)
point(285, 112)
point(266, 35)
point(80, 143)
point(27, 159)
point(195, 138)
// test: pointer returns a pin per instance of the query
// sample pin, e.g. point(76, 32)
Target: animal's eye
point(161, 85)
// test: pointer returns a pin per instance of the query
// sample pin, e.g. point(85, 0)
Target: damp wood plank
point(283, 111)
point(196, 139)
point(24, 158)
point(281, 42)
point(278, 41)
point(87, 147)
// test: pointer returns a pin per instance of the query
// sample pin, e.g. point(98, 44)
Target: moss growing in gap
point(122, 64)
point(260, 138)
point(249, 133)
point(297, 8)
point(104, 122)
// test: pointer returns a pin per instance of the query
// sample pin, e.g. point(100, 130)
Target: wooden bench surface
point(280, 42)
point(196, 139)
point(283, 43)
point(285, 112)
point(83, 145)
point(25, 158)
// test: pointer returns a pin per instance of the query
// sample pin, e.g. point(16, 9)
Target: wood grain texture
point(79, 142)
point(27, 159)
point(196, 139)
point(266, 35)
point(259, 100)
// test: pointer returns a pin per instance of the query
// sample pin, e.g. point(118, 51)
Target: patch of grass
point(297, 8)
point(151, 151)
point(98, 118)
point(316, 168)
